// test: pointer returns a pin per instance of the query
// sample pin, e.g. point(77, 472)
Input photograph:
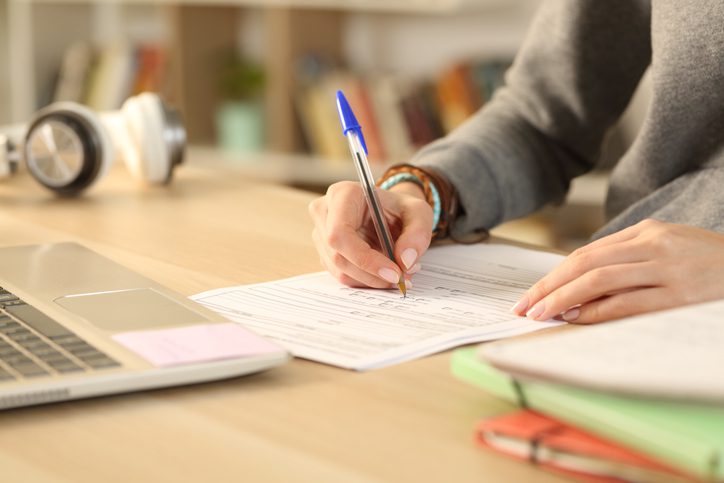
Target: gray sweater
point(571, 80)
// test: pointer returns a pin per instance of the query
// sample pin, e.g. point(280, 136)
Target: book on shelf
point(319, 119)
point(459, 96)
point(386, 92)
point(398, 115)
point(72, 79)
point(314, 97)
point(683, 435)
point(359, 96)
point(102, 78)
point(420, 112)
point(151, 67)
point(110, 78)
point(488, 77)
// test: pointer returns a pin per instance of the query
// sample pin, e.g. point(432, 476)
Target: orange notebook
point(555, 446)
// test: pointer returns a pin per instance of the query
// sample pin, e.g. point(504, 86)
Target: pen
point(358, 148)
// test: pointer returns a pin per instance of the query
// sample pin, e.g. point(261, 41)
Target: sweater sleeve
point(573, 77)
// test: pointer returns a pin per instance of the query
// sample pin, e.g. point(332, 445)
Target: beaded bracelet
point(398, 178)
point(439, 193)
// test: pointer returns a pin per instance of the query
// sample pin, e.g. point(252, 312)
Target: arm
point(571, 80)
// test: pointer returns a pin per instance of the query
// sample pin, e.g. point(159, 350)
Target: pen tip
point(403, 288)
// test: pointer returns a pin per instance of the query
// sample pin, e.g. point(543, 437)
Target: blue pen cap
point(348, 120)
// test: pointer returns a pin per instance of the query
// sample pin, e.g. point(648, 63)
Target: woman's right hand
point(345, 236)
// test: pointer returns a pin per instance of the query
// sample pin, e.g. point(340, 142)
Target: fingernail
point(408, 284)
point(415, 268)
point(520, 305)
point(536, 311)
point(572, 315)
point(409, 256)
point(389, 275)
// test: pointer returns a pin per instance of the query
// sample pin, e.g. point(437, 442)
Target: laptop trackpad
point(125, 310)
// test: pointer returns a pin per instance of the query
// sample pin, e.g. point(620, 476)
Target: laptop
point(74, 324)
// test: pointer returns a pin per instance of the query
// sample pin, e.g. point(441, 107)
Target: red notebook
point(555, 446)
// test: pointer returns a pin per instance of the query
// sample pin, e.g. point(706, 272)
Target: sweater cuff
point(462, 166)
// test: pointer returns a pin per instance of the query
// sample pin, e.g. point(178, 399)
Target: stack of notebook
point(635, 400)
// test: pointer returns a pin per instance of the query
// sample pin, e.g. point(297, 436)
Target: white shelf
point(289, 169)
point(305, 170)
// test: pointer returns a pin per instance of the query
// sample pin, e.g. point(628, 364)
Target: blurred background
point(255, 80)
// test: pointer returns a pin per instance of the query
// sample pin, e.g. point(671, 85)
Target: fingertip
point(409, 257)
point(414, 269)
point(409, 249)
point(521, 306)
point(587, 314)
point(571, 315)
point(389, 275)
point(587, 317)
point(537, 311)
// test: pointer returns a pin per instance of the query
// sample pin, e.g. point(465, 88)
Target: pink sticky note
point(198, 343)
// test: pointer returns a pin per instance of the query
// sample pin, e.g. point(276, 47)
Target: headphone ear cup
point(66, 148)
point(146, 154)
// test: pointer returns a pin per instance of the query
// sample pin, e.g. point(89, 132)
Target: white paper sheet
point(675, 354)
point(463, 294)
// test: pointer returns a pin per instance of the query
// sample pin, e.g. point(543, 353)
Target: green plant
point(240, 78)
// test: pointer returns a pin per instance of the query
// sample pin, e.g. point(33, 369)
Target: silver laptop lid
point(75, 324)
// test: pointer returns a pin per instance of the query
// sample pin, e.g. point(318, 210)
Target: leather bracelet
point(431, 179)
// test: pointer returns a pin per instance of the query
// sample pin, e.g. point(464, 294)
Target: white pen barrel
point(370, 190)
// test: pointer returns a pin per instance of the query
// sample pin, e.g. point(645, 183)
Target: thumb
point(416, 234)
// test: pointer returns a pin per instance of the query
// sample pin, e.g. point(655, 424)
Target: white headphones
point(67, 146)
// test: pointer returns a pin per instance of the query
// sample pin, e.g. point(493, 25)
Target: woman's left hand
point(647, 267)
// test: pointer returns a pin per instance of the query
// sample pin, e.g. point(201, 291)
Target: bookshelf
point(39, 30)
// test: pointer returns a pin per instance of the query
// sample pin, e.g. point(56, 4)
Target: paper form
point(463, 294)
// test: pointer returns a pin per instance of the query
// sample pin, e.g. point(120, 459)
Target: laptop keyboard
point(34, 345)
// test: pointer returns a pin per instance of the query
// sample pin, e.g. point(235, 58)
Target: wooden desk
point(301, 422)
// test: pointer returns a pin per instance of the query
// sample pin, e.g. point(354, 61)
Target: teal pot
point(240, 126)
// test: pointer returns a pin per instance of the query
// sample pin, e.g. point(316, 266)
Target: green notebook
point(688, 436)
